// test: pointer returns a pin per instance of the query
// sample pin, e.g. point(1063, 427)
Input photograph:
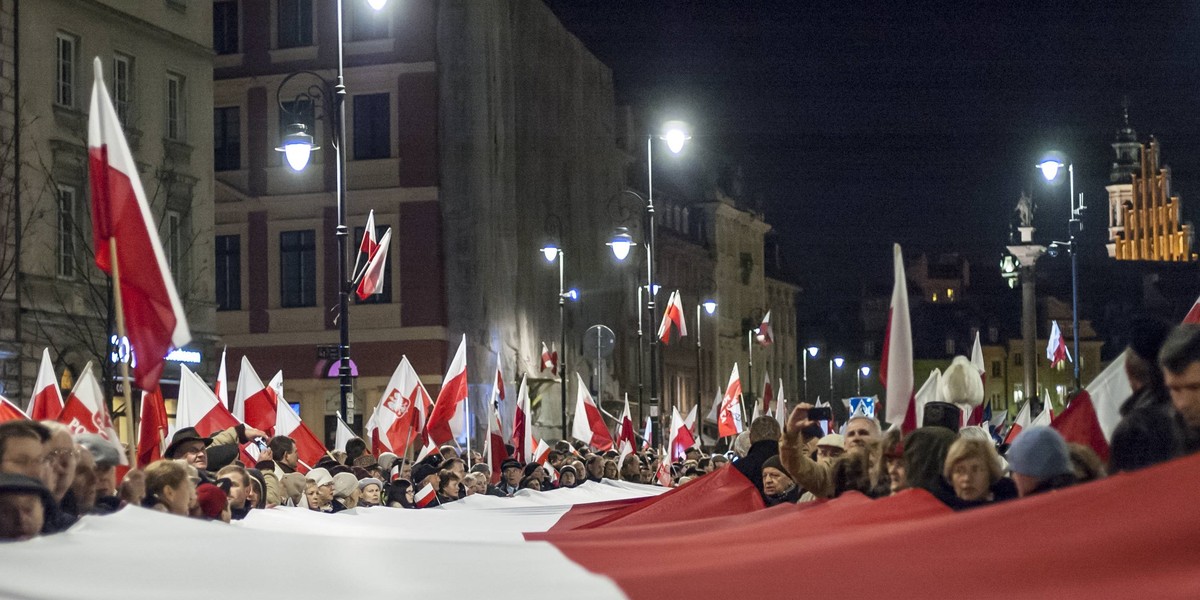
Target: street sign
point(325, 351)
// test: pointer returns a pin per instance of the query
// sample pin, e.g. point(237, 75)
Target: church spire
point(1127, 148)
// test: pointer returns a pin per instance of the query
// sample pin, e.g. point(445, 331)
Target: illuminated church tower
point(1143, 216)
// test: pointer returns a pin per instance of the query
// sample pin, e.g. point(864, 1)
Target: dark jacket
point(751, 464)
point(791, 496)
point(1150, 432)
point(1003, 489)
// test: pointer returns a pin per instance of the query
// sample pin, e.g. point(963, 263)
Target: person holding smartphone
point(817, 477)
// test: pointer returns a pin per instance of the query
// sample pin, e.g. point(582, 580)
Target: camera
point(820, 413)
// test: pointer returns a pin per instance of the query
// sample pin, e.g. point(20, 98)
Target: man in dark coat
point(764, 443)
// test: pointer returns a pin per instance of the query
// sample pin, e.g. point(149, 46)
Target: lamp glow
point(839, 361)
point(710, 307)
point(377, 4)
point(297, 147)
point(621, 243)
point(865, 370)
point(571, 294)
point(550, 252)
point(676, 135)
point(812, 351)
point(1050, 169)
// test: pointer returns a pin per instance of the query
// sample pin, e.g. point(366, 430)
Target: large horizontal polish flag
point(47, 400)
point(450, 405)
point(588, 425)
point(197, 406)
point(124, 229)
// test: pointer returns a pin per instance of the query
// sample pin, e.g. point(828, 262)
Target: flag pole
point(130, 426)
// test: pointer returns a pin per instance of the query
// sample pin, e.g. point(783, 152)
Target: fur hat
point(344, 484)
point(386, 460)
point(320, 476)
point(1039, 452)
point(212, 500)
point(962, 383)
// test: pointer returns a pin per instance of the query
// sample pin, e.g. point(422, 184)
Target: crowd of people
point(50, 478)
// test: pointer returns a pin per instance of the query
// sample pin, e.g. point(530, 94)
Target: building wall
point(168, 39)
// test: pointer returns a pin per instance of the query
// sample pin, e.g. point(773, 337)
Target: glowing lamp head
point(1050, 168)
point(675, 133)
point(297, 147)
point(812, 351)
point(710, 306)
point(550, 251)
point(571, 294)
point(377, 4)
point(865, 370)
point(839, 361)
point(621, 243)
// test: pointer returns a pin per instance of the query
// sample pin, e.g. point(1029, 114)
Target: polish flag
point(729, 416)
point(663, 473)
point(548, 361)
point(647, 433)
point(401, 410)
point(1193, 315)
point(1056, 349)
point(343, 435)
point(425, 496)
point(152, 428)
point(690, 422)
point(198, 407)
point(86, 409)
point(451, 402)
point(47, 401)
point(540, 452)
point(376, 269)
point(931, 391)
point(781, 413)
point(768, 395)
point(896, 370)
point(673, 314)
point(763, 333)
point(254, 404)
point(588, 425)
point(426, 450)
point(496, 452)
point(626, 442)
point(681, 436)
point(1019, 423)
point(369, 243)
point(975, 417)
point(288, 423)
point(124, 229)
point(522, 437)
point(222, 387)
point(371, 431)
point(10, 412)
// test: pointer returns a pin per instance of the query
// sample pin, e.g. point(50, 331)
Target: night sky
point(862, 123)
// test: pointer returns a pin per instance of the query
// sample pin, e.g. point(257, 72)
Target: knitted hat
point(344, 484)
point(421, 471)
point(211, 499)
point(319, 476)
point(386, 460)
point(775, 463)
point(293, 485)
point(1039, 452)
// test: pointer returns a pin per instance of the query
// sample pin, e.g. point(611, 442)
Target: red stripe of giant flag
point(452, 395)
point(154, 318)
point(896, 370)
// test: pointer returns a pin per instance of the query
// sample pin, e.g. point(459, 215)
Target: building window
point(227, 139)
point(229, 272)
point(173, 241)
point(1017, 359)
point(298, 268)
point(385, 295)
point(295, 23)
point(122, 86)
point(366, 23)
point(997, 369)
point(225, 26)
point(64, 81)
point(65, 259)
point(175, 113)
point(372, 127)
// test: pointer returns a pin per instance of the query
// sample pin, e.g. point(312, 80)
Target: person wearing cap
point(24, 502)
point(345, 492)
point(1040, 461)
point(831, 446)
point(860, 434)
point(778, 486)
point(107, 456)
point(567, 477)
point(370, 491)
point(168, 487)
point(320, 490)
point(510, 478)
point(213, 503)
point(764, 443)
point(189, 445)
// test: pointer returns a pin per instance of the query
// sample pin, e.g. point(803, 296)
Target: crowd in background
point(50, 478)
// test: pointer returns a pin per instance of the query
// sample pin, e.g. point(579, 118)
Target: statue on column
point(1024, 210)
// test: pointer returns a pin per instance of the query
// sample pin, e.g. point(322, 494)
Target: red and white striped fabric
point(10, 412)
point(626, 442)
point(221, 389)
point(398, 417)
point(763, 334)
point(47, 401)
point(197, 406)
point(729, 415)
point(588, 425)
point(86, 409)
point(681, 436)
point(672, 315)
point(896, 370)
point(152, 428)
point(522, 435)
point(450, 406)
point(1022, 421)
point(425, 496)
point(375, 272)
point(254, 404)
point(287, 422)
point(578, 539)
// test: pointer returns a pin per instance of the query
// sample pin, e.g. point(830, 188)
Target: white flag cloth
point(343, 435)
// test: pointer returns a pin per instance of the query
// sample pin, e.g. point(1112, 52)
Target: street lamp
point(1050, 169)
point(710, 307)
point(838, 361)
point(552, 251)
point(675, 135)
point(811, 351)
point(863, 371)
point(297, 147)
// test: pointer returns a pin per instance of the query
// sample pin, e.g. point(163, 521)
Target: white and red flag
point(222, 387)
point(343, 435)
point(690, 422)
point(681, 437)
point(781, 412)
point(288, 423)
point(1056, 349)
point(647, 433)
point(86, 409)
point(588, 425)
point(763, 333)
point(47, 401)
point(729, 415)
point(522, 436)
point(663, 473)
point(1193, 314)
point(626, 440)
point(451, 400)
point(1021, 421)
point(896, 370)
point(124, 230)
point(496, 452)
point(540, 452)
point(369, 242)
point(975, 417)
point(672, 315)
point(400, 413)
point(768, 395)
point(374, 273)
point(152, 428)
point(197, 406)
point(549, 359)
point(10, 412)
point(254, 404)
point(425, 496)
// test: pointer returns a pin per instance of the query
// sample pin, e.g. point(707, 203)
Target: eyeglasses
point(61, 455)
